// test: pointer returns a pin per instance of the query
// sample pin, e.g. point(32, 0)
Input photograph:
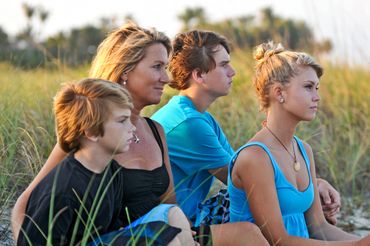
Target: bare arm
point(169, 196)
point(220, 173)
point(253, 173)
point(20, 206)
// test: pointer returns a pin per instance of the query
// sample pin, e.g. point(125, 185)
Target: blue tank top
point(293, 203)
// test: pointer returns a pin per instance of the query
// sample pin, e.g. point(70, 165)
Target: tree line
point(78, 45)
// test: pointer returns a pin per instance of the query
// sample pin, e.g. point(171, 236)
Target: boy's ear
point(89, 135)
point(197, 76)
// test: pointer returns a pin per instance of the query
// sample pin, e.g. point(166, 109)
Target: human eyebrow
point(123, 117)
point(311, 82)
point(224, 62)
point(160, 62)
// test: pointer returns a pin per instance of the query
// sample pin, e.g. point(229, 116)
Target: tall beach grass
point(339, 135)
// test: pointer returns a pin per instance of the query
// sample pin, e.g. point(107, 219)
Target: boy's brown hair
point(85, 106)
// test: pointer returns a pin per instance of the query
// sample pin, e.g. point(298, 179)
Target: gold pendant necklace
point(296, 164)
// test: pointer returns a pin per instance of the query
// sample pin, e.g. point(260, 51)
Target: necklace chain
point(294, 157)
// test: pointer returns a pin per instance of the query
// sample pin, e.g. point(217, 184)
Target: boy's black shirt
point(72, 182)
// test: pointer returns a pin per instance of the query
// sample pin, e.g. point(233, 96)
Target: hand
point(330, 200)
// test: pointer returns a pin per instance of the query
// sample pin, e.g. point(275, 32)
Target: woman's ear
point(277, 91)
point(124, 78)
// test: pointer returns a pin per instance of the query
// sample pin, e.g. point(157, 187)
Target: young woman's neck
point(281, 126)
point(93, 159)
point(200, 99)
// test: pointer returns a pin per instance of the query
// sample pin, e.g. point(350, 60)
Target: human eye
point(123, 120)
point(157, 66)
point(308, 86)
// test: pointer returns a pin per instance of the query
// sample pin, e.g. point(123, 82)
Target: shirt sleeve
point(198, 144)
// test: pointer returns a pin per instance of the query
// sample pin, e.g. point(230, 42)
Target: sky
point(345, 22)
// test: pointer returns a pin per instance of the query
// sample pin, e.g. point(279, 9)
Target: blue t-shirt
point(293, 203)
point(196, 143)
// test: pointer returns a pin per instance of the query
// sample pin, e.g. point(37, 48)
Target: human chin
point(310, 117)
point(123, 148)
point(156, 98)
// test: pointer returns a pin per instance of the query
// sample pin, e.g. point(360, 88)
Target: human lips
point(131, 139)
point(313, 108)
point(159, 89)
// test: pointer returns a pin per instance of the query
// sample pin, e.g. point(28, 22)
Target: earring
point(125, 82)
point(281, 100)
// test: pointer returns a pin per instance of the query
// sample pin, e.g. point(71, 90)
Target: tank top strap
point(156, 134)
point(261, 145)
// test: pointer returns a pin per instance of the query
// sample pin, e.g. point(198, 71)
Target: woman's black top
point(143, 188)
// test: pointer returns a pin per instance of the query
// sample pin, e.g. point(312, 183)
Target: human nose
point(232, 72)
point(316, 96)
point(133, 127)
point(164, 77)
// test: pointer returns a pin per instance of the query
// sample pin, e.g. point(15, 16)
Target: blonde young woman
point(136, 58)
point(272, 179)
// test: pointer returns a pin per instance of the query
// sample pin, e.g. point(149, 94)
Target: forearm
point(169, 198)
point(220, 173)
point(18, 214)
point(293, 241)
point(329, 232)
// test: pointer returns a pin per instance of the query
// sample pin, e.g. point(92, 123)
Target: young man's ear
point(197, 76)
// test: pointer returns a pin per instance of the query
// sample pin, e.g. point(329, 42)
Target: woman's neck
point(135, 115)
point(281, 126)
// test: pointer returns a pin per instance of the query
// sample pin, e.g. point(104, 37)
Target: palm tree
point(192, 18)
point(29, 12)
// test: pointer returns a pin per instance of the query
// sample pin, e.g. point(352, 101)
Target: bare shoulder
point(253, 166)
point(252, 158)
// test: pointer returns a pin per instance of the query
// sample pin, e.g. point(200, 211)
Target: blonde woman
point(272, 179)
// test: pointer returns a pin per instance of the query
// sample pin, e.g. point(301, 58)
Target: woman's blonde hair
point(86, 106)
point(123, 49)
point(274, 64)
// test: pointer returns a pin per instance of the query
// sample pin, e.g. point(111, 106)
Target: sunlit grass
point(339, 135)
